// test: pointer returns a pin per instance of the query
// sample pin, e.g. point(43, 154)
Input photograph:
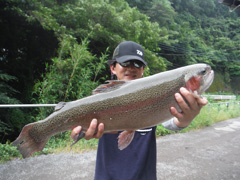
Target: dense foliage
point(53, 51)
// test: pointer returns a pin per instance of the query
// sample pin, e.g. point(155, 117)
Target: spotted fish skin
point(128, 106)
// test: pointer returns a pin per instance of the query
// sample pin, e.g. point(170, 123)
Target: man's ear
point(112, 67)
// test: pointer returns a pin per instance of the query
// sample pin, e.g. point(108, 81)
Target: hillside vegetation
point(54, 51)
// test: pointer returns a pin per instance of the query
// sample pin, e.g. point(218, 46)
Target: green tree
point(8, 120)
point(58, 49)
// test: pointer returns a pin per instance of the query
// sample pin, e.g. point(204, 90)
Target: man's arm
point(189, 110)
point(171, 125)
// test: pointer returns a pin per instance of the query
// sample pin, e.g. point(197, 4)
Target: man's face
point(127, 73)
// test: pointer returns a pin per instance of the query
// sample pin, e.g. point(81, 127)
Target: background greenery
point(52, 51)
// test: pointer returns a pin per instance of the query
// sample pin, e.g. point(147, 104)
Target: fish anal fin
point(125, 138)
point(80, 135)
point(26, 144)
point(112, 85)
point(60, 105)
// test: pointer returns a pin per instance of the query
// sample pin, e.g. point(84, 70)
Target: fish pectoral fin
point(78, 137)
point(124, 139)
point(59, 106)
point(112, 85)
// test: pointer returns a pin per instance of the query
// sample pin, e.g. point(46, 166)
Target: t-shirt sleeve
point(170, 124)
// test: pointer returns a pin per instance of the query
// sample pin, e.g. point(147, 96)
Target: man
point(138, 160)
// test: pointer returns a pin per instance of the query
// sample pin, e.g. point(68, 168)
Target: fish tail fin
point(26, 144)
point(125, 138)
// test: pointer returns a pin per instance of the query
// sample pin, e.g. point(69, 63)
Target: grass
point(61, 142)
point(207, 117)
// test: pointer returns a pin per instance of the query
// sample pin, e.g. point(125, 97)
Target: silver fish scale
point(136, 104)
point(107, 107)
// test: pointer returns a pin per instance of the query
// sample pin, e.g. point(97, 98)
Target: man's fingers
point(190, 97)
point(100, 131)
point(94, 130)
point(202, 101)
point(175, 113)
point(91, 130)
point(182, 103)
point(75, 132)
point(190, 105)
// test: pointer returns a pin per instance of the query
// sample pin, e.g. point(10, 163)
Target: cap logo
point(139, 52)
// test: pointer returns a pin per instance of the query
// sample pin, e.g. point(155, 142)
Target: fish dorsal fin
point(59, 106)
point(112, 85)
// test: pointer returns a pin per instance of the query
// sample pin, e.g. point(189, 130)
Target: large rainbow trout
point(120, 105)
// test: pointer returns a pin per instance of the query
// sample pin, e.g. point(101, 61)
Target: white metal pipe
point(26, 105)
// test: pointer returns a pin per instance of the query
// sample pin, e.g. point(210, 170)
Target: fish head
point(199, 78)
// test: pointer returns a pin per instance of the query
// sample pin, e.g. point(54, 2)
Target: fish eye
point(203, 72)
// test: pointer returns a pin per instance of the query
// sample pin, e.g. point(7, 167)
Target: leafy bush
point(71, 76)
point(7, 152)
point(161, 131)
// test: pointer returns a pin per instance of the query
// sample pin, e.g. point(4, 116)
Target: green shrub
point(8, 152)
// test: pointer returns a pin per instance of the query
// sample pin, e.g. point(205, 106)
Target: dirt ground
point(211, 153)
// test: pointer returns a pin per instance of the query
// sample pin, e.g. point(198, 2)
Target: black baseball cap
point(126, 51)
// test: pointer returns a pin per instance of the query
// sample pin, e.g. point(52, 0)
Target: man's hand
point(190, 110)
point(91, 132)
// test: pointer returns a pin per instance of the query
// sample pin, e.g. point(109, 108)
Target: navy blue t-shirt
point(135, 162)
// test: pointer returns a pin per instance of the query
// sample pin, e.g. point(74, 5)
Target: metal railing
point(220, 97)
point(222, 103)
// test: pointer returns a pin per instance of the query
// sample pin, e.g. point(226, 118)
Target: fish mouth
point(209, 77)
